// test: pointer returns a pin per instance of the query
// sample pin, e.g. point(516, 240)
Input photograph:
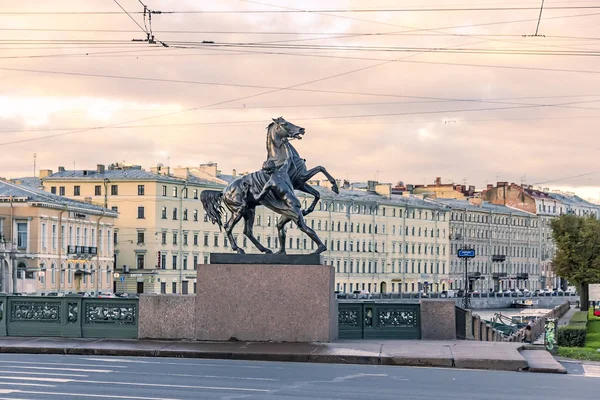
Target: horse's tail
point(211, 201)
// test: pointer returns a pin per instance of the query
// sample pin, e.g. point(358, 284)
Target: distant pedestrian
point(527, 338)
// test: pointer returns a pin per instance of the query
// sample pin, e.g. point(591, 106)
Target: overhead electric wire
point(312, 11)
point(130, 17)
point(568, 177)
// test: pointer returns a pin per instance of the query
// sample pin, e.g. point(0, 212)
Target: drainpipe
point(106, 181)
point(12, 262)
point(181, 237)
point(97, 252)
point(60, 238)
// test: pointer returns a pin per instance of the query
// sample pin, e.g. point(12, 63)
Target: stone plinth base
point(438, 320)
point(259, 302)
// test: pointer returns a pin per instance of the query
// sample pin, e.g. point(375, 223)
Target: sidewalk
point(499, 356)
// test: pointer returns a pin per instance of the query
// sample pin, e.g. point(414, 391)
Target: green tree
point(577, 257)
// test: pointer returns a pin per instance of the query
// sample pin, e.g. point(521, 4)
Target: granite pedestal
point(266, 302)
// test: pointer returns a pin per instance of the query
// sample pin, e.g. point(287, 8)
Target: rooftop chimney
point(61, 169)
point(234, 173)
point(45, 172)
point(438, 181)
point(100, 168)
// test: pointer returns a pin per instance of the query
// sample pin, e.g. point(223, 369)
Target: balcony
point(82, 250)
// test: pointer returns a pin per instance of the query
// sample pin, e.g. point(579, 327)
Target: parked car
point(362, 294)
point(448, 294)
point(107, 296)
point(55, 294)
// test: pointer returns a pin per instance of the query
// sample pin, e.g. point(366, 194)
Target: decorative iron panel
point(29, 311)
point(106, 313)
point(73, 312)
point(397, 317)
point(348, 318)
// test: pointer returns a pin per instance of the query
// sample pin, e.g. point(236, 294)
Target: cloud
point(440, 127)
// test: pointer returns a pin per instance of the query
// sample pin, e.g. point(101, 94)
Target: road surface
point(52, 377)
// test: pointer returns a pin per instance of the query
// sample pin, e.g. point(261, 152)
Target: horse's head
point(285, 129)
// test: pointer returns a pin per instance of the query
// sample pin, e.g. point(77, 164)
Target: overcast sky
point(433, 110)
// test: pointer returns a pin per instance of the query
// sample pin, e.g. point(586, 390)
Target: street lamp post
point(465, 254)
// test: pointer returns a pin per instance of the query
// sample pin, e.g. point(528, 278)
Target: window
point(175, 213)
point(174, 237)
point(185, 214)
point(163, 287)
point(164, 238)
point(184, 192)
point(141, 212)
point(140, 261)
point(140, 237)
point(116, 237)
point(61, 190)
point(216, 242)
point(195, 239)
point(53, 189)
point(175, 191)
point(163, 261)
point(164, 190)
point(196, 215)
point(196, 194)
point(141, 190)
point(76, 190)
point(114, 190)
point(174, 287)
point(195, 262)
point(78, 236)
point(206, 239)
point(163, 213)
point(185, 239)
point(108, 240)
point(85, 231)
point(174, 261)
point(43, 235)
point(184, 262)
point(54, 237)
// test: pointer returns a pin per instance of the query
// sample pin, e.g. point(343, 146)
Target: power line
point(130, 17)
point(274, 88)
point(567, 177)
point(334, 117)
point(309, 11)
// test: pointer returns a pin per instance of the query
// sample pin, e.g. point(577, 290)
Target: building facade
point(546, 205)
point(506, 243)
point(53, 244)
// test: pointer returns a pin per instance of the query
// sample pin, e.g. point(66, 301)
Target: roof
point(122, 175)
point(573, 200)
point(364, 196)
point(35, 195)
point(28, 181)
point(485, 207)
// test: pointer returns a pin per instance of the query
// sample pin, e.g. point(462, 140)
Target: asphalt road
point(51, 377)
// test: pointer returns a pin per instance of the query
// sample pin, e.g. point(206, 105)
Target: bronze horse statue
point(244, 194)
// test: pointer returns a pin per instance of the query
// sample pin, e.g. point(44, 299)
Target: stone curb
point(439, 362)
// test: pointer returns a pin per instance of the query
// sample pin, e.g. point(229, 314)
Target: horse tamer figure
point(273, 187)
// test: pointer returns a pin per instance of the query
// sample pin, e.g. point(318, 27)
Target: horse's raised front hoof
point(268, 251)
point(321, 249)
point(281, 252)
point(240, 251)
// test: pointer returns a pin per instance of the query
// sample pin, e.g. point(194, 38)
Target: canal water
point(509, 312)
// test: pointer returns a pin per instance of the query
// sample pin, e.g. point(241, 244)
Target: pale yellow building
point(375, 241)
point(53, 244)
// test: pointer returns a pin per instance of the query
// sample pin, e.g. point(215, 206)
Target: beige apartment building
point(376, 241)
point(53, 244)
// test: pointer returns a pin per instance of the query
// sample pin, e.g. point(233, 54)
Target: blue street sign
point(122, 279)
point(466, 253)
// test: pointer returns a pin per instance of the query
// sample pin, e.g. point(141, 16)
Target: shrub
point(572, 335)
point(579, 353)
point(579, 316)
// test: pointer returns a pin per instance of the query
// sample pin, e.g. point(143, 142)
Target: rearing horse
point(240, 195)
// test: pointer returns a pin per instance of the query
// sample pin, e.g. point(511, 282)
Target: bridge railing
point(69, 316)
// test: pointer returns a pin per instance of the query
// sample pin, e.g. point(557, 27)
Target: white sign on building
point(595, 292)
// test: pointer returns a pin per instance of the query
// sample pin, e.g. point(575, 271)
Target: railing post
point(3, 313)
